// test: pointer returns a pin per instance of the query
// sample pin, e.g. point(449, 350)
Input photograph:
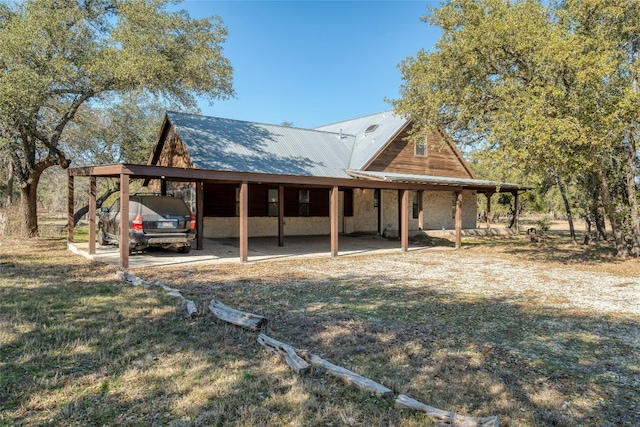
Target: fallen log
point(287, 352)
point(163, 286)
point(359, 381)
point(249, 321)
point(445, 418)
point(134, 280)
point(192, 309)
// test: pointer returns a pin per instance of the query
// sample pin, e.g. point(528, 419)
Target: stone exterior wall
point(439, 210)
point(438, 206)
point(229, 227)
point(365, 215)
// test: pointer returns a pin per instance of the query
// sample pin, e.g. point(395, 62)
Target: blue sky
point(315, 62)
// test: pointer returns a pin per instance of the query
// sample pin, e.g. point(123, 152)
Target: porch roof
point(475, 184)
point(354, 179)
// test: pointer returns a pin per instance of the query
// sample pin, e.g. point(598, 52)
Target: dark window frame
point(304, 199)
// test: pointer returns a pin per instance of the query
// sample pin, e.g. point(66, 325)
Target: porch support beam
point(70, 222)
point(404, 219)
point(458, 219)
point(199, 215)
point(244, 221)
point(333, 213)
point(92, 215)
point(163, 186)
point(124, 220)
point(420, 210)
point(399, 214)
point(280, 215)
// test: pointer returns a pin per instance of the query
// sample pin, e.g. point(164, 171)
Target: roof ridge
point(261, 123)
point(355, 118)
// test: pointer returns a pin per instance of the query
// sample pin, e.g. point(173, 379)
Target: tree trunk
point(10, 184)
point(631, 192)
point(28, 209)
point(83, 210)
point(567, 207)
point(614, 215)
point(600, 225)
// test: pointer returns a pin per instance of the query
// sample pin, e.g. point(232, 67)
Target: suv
point(161, 221)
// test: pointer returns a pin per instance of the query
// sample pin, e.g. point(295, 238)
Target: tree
point(61, 58)
point(549, 88)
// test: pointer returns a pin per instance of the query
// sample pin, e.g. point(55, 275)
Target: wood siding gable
point(442, 158)
point(169, 149)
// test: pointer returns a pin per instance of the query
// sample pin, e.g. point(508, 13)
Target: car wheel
point(184, 249)
point(102, 239)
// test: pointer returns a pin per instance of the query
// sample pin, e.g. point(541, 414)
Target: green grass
point(79, 347)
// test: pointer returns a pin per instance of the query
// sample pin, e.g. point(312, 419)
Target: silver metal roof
point(367, 145)
point(436, 180)
point(338, 150)
point(233, 145)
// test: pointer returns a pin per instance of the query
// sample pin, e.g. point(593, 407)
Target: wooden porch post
point(163, 186)
point(489, 214)
point(280, 215)
point(92, 214)
point(199, 215)
point(458, 219)
point(333, 212)
point(70, 224)
point(244, 221)
point(400, 214)
point(124, 220)
point(420, 209)
point(404, 220)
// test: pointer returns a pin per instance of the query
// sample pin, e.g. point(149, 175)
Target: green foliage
point(544, 223)
point(548, 90)
point(61, 62)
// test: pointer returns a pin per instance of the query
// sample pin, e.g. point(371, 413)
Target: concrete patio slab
point(220, 251)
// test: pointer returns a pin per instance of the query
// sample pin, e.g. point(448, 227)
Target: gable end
point(442, 158)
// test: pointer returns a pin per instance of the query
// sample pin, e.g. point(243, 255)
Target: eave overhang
point(356, 179)
point(480, 185)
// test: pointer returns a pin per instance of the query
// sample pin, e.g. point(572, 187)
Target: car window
point(163, 205)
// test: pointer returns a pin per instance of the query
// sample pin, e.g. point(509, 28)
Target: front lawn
point(502, 328)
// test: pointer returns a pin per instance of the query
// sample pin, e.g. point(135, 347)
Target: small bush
point(544, 223)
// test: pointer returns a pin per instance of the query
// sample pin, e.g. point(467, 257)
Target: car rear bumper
point(144, 239)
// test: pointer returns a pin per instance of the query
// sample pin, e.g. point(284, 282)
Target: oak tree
point(550, 87)
point(58, 57)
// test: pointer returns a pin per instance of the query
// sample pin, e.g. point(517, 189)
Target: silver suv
point(160, 221)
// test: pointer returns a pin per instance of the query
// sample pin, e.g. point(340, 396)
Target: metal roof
point(436, 180)
point(338, 150)
point(233, 145)
point(367, 145)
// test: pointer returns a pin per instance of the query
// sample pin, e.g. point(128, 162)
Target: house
point(248, 179)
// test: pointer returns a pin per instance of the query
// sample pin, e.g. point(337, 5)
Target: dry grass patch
point(495, 330)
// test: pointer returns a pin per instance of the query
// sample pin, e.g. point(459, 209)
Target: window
point(303, 202)
point(370, 129)
point(272, 197)
point(421, 148)
point(417, 204)
point(237, 201)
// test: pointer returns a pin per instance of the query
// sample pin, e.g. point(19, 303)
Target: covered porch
point(404, 184)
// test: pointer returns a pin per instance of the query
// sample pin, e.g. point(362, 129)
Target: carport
point(402, 183)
